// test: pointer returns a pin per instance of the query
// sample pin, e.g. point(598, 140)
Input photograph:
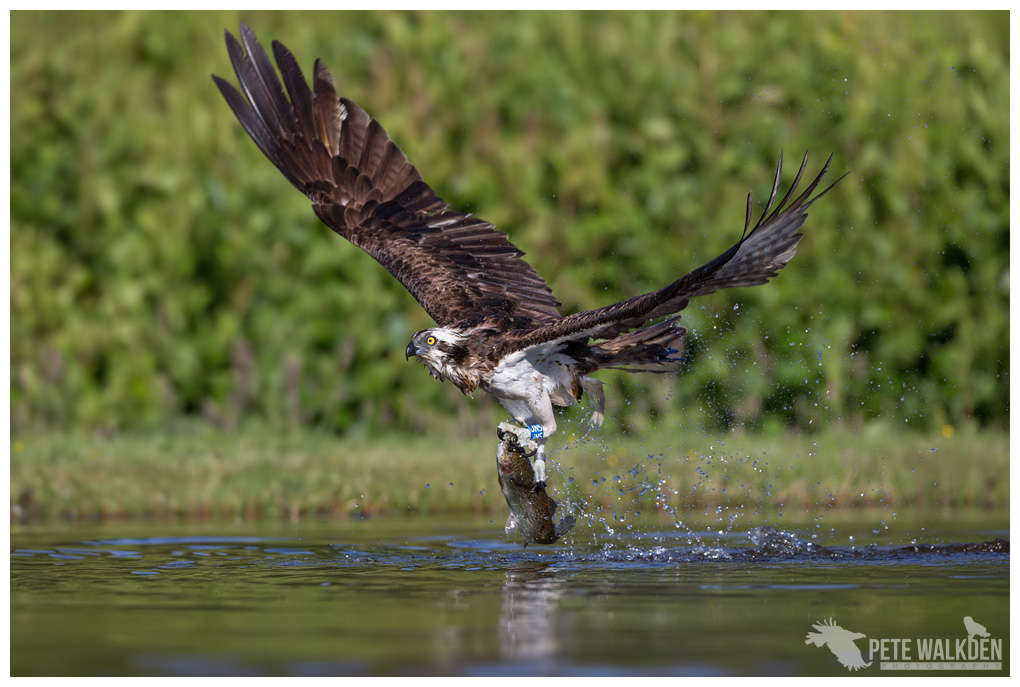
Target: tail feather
point(658, 348)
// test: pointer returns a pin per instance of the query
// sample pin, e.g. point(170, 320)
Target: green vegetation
point(163, 271)
point(257, 474)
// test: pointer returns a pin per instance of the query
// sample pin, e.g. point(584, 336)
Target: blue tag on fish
point(537, 431)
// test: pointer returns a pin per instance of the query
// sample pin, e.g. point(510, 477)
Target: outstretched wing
point(753, 260)
point(458, 267)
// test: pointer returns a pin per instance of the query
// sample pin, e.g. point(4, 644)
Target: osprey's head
point(440, 349)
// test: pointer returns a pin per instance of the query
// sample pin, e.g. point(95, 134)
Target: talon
point(540, 471)
point(506, 431)
point(539, 487)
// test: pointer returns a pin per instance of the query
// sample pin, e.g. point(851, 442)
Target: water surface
point(442, 597)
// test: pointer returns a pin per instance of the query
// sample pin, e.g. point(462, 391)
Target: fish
point(531, 507)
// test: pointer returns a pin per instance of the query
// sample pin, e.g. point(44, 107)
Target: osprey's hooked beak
point(410, 350)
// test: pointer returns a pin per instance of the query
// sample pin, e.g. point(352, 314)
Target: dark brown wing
point(756, 258)
point(457, 266)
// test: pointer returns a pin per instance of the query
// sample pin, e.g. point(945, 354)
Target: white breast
point(532, 373)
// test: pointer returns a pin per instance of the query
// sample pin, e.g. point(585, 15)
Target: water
point(399, 597)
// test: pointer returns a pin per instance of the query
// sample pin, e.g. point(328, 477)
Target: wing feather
point(753, 260)
point(459, 267)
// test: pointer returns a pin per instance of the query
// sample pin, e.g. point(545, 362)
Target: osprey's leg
point(594, 389)
point(546, 419)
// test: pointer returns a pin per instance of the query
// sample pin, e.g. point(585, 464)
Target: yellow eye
point(431, 341)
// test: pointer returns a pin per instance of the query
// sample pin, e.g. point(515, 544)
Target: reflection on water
point(527, 629)
point(407, 598)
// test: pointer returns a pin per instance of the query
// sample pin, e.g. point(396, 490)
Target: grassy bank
point(255, 474)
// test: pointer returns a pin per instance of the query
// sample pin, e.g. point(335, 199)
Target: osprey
point(500, 329)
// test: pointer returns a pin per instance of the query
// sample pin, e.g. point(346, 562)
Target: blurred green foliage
point(162, 268)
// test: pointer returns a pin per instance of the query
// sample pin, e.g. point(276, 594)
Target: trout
point(531, 508)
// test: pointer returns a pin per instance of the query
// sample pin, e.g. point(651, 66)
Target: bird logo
point(974, 629)
point(840, 642)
